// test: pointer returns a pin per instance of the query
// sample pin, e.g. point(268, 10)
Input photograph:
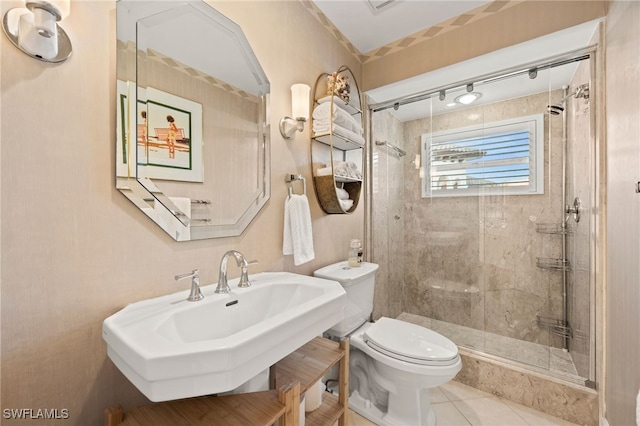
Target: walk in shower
point(480, 213)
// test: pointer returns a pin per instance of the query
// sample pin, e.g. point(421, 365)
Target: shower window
point(505, 155)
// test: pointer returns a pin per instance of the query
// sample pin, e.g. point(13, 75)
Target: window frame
point(534, 124)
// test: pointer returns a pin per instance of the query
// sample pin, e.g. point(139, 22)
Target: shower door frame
point(596, 214)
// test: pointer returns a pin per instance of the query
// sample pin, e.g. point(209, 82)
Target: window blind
point(505, 155)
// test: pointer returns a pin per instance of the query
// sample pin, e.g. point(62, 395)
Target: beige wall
point(622, 350)
point(516, 24)
point(74, 250)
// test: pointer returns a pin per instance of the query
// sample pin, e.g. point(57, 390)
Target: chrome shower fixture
point(581, 91)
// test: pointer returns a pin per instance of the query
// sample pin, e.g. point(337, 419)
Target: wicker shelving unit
point(339, 147)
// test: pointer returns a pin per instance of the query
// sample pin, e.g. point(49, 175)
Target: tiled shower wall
point(469, 261)
point(387, 197)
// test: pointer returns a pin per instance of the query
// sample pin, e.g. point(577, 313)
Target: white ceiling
point(368, 29)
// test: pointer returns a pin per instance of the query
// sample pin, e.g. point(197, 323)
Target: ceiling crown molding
point(449, 25)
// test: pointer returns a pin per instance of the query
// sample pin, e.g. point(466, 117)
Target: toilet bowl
point(392, 363)
point(406, 360)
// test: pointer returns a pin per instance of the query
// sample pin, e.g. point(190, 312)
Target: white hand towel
point(298, 235)
point(638, 410)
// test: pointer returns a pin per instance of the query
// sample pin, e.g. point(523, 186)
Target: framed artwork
point(123, 167)
point(168, 135)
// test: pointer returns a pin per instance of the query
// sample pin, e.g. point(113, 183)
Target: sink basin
point(170, 348)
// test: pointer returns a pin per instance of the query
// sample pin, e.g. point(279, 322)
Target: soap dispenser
point(355, 253)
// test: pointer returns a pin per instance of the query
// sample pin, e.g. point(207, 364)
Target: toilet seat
point(410, 343)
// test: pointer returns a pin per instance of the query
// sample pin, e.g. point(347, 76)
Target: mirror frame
point(144, 192)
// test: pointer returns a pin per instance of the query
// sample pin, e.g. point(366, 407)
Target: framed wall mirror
point(192, 132)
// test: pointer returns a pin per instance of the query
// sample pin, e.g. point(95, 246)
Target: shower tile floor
point(533, 354)
point(456, 404)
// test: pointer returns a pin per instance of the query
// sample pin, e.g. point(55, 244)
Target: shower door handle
point(574, 209)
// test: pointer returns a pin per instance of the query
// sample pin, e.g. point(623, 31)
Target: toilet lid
point(410, 342)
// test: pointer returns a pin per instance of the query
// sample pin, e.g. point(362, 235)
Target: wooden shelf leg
point(290, 396)
point(343, 396)
point(113, 415)
point(272, 377)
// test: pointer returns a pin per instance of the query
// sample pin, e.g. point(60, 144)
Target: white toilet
point(392, 363)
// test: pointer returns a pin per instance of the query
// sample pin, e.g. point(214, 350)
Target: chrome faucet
point(241, 261)
point(195, 294)
point(223, 286)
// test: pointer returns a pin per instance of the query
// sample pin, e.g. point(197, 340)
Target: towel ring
point(290, 178)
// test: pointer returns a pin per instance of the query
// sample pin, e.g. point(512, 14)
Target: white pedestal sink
point(170, 348)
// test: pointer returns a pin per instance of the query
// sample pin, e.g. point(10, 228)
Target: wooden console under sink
point(294, 375)
point(309, 364)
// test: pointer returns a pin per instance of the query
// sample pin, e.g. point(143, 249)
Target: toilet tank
point(358, 283)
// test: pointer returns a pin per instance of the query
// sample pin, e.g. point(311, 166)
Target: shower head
point(555, 109)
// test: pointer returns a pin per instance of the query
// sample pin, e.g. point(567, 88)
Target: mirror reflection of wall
point(199, 119)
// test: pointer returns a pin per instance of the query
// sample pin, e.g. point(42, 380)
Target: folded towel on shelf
point(340, 168)
point(346, 204)
point(323, 115)
point(343, 169)
point(298, 235)
point(342, 194)
point(320, 127)
point(638, 410)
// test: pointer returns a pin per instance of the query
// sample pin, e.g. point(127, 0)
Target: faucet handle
point(244, 275)
point(195, 294)
point(193, 273)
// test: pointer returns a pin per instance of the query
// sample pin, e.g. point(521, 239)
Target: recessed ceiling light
point(468, 98)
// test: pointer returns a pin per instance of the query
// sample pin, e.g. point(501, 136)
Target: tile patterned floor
point(456, 404)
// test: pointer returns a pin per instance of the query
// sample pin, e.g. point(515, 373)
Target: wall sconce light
point(299, 109)
point(35, 30)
